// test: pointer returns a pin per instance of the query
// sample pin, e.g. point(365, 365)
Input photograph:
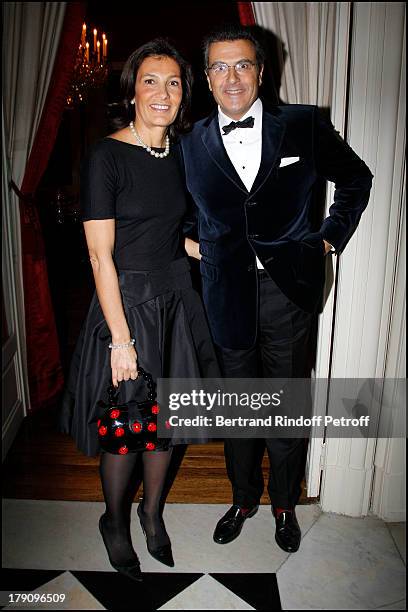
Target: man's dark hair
point(159, 47)
point(231, 32)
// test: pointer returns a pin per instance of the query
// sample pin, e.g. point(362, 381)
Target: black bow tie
point(247, 123)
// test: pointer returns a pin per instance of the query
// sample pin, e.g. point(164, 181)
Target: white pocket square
point(285, 161)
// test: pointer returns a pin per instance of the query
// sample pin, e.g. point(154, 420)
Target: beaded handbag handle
point(147, 377)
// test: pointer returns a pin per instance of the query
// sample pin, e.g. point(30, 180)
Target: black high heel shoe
point(161, 553)
point(130, 570)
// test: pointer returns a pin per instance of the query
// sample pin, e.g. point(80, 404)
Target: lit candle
point(87, 52)
point(83, 38)
point(98, 45)
point(94, 45)
point(103, 46)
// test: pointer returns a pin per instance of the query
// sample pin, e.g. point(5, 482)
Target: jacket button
point(252, 236)
point(251, 203)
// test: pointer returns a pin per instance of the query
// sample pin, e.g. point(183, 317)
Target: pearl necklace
point(149, 149)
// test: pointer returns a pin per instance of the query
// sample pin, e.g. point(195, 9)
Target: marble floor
point(54, 548)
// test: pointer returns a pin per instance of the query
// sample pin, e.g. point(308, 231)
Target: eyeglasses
point(242, 67)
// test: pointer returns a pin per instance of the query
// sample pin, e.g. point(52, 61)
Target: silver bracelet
point(125, 345)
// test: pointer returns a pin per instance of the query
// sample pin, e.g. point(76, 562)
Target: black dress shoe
point(130, 570)
point(160, 553)
point(287, 533)
point(229, 527)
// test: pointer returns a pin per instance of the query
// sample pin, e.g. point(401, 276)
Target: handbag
point(130, 427)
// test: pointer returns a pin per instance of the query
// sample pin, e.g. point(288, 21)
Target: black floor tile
point(116, 592)
point(259, 590)
point(17, 580)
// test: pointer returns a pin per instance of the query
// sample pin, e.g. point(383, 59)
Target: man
point(251, 173)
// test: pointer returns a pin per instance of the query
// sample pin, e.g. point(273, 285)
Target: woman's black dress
point(147, 198)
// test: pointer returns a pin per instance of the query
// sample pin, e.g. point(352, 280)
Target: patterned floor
point(159, 591)
point(343, 563)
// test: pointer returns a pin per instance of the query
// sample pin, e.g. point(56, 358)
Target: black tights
point(116, 475)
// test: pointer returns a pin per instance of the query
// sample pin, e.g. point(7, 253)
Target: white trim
point(389, 487)
point(15, 414)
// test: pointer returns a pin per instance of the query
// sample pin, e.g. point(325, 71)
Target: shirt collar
point(255, 111)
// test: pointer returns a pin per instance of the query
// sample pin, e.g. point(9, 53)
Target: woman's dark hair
point(231, 32)
point(158, 47)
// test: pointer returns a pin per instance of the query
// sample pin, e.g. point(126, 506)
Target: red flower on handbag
point(129, 427)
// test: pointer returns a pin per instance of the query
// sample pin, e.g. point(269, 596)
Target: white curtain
point(369, 331)
point(31, 33)
point(307, 31)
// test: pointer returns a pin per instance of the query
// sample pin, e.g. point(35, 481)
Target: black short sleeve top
point(146, 196)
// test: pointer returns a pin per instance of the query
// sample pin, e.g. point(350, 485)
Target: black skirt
point(166, 317)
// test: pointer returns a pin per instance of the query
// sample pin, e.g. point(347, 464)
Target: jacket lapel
point(212, 140)
point(273, 131)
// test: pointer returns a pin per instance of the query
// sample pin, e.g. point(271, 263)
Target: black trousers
point(281, 351)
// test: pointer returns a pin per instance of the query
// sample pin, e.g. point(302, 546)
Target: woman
point(133, 201)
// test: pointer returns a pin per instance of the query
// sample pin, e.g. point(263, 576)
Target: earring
point(132, 101)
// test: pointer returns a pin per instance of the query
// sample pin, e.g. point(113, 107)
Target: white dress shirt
point(244, 146)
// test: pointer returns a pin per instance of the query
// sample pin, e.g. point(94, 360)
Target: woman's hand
point(123, 364)
point(192, 248)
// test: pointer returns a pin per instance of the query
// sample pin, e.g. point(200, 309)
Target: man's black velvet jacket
point(274, 220)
